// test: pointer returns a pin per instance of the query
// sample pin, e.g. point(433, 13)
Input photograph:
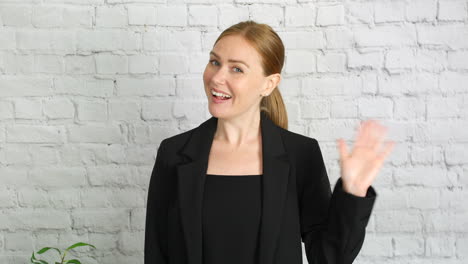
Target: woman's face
point(234, 69)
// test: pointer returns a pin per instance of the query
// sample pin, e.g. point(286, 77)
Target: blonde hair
point(271, 49)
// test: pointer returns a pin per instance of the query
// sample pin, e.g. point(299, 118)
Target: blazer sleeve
point(332, 224)
point(156, 212)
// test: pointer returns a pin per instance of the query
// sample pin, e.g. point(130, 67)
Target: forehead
point(236, 48)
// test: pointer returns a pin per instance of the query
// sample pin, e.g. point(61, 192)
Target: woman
point(241, 188)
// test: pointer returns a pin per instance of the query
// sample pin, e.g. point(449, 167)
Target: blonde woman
point(241, 188)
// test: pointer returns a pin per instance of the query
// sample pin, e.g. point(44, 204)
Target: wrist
point(355, 189)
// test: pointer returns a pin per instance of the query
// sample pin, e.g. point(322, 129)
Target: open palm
point(360, 167)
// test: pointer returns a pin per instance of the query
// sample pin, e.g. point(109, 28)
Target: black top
point(231, 219)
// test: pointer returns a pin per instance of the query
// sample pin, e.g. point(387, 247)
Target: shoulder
point(293, 140)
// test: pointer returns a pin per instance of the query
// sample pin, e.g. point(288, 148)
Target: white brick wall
point(88, 89)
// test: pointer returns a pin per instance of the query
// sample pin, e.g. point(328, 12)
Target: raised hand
point(360, 167)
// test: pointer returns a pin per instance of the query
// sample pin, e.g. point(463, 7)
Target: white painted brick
point(419, 198)
point(58, 177)
point(171, 15)
point(421, 10)
point(57, 41)
point(421, 83)
point(326, 86)
point(106, 242)
point(66, 198)
point(440, 107)
point(47, 16)
point(452, 10)
point(14, 176)
point(145, 87)
point(68, 85)
point(142, 64)
point(406, 245)
point(28, 109)
point(365, 60)
point(95, 110)
point(111, 64)
point(442, 221)
point(300, 62)
point(377, 246)
point(7, 39)
point(15, 63)
point(6, 110)
point(111, 16)
point(330, 15)
point(456, 154)
point(56, 108)
point(462, 244)
point(458, 60)
point(172, 41)
point(399, 221)
point(124, 110)
point(25, 86)
point(34, 134)
point(80, 65)
point(103, 197)
point(440, 245)
point(303, 40)
point(8, 197)
point(453, 82)
point(48, 64)
point(375, 107)
point(131, 242)
point(299, 16)
point(331, 130)
point(172, 64)
point(453, 199)
point(445, 35)
point(331, 62)
point(190, 110)
point(385, 35)
point(32, 197)
point(430, 176)
point(202, 15)
point(28, 218)
point(19, 241)
point(78, 16)
point(389, 11)
point(269, 14)
point(43, 155)
point(343, 108)
point(431, 60)
point(427, 155)
point(110, 175)
point(409, 108)
point(391, 199)
point(229, 15)
point(436, 131)
point(100, 219)
point(315, 109)
point(360, 12)
point(138, 218)
point(94, 134)
point(141, 15)
point(19, 15)
point(190, 88)
point(399, 60)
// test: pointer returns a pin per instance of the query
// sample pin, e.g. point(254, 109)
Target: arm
point(332, 225)
point(155, 212)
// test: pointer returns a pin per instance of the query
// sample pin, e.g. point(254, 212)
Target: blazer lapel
point(191, 181)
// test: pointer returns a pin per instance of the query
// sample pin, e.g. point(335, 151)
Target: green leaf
point(74, 261)
point(79, 244)
point(37, 261)
point(47, 248)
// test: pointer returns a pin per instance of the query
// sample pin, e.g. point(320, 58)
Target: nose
point(219, 76)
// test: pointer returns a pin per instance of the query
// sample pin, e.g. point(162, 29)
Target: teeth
point(220, 94)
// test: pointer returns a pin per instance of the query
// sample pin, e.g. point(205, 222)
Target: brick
point(201, 15)
point(458, 60)
point(385, 35)
point(269, 14)
point(111, 16)
point(171, 15)
point(452, 36)
point(25, 86)
point(389, 11)
point(300, 62)
point(111, 64)
point(80, 64)
point(28, 108)
point(27, 219)
point(100, 220)
point(91, 110)
point(142, 64)
point(421, 10)
point(141, 15)
point(330, 15)
point(124, 110)
point(452, 11)
point(331, 62)
point(19, 133)
point(100, 133)
point(365, 60)
point(17, 16)
point(299, 16)
point(409, 245)
point(145, 87)
point(399, 221)
point(375, 107)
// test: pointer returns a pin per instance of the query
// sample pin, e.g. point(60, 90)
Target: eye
point(240, 71)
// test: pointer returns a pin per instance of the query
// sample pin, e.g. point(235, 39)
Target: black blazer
point(297, 202)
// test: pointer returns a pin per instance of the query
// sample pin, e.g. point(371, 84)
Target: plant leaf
point(47, 248)
point(37, 261)
point(79, 244)
point(74, 261)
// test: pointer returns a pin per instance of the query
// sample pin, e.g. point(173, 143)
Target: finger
point(379, 135)
point(389, 145)
point(362, 134)
point(343, 149)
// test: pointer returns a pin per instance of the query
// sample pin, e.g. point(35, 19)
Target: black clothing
point(297, 202)
point(231, 218)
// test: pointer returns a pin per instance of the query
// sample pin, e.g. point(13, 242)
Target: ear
point(273, 81)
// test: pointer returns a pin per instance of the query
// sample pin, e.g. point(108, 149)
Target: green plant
point(62, 257)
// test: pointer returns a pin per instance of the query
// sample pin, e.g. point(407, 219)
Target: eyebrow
point(230, 60)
